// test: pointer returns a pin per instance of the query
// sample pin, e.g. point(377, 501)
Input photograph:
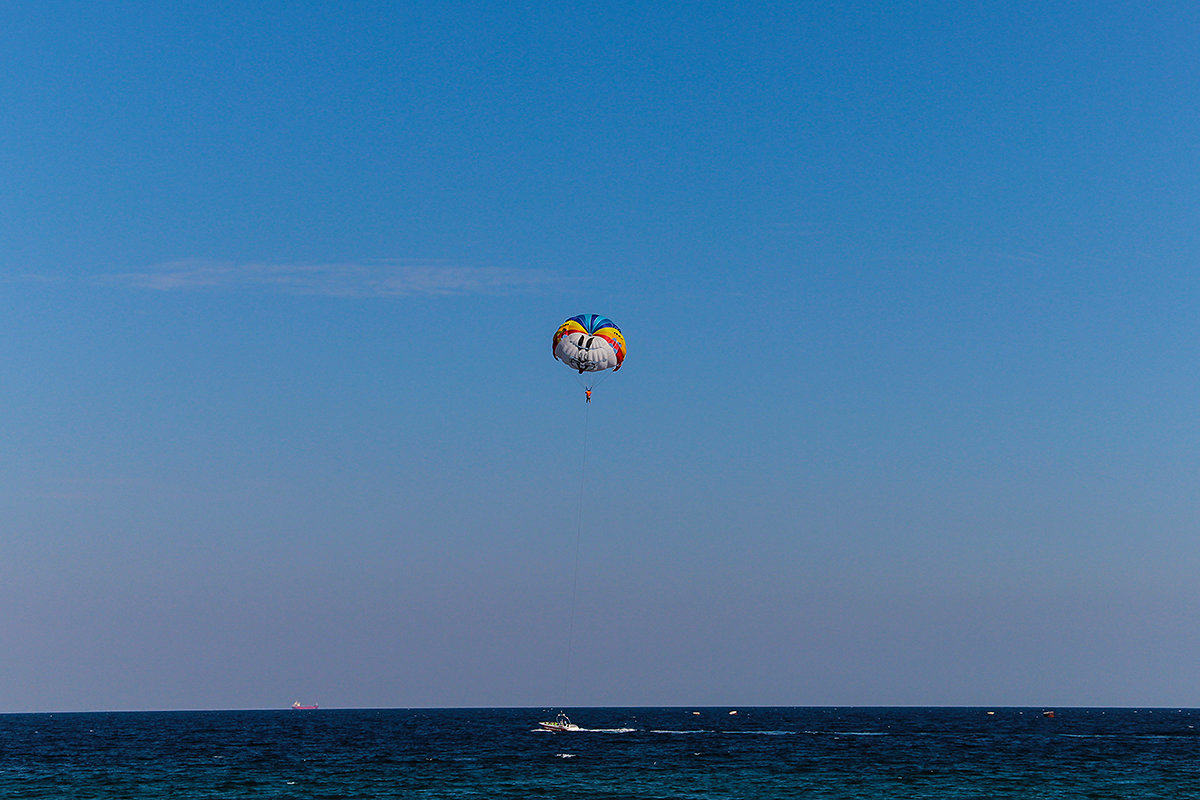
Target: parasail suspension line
point(578, 539)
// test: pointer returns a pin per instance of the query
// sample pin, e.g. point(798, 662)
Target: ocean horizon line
point(729, 707)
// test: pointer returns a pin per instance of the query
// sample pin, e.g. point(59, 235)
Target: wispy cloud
point(369, 279)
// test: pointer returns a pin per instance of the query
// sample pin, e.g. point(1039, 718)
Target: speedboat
point(561, 725)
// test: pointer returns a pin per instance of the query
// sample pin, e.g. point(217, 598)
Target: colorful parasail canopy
point(589, 343)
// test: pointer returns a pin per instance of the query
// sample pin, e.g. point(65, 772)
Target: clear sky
point(909, 416)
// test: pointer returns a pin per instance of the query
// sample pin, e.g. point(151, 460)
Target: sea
point(330, 754)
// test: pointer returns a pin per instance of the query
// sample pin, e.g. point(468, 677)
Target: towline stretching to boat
point(561, 725)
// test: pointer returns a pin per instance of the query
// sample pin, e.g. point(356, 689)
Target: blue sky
point(908, 417)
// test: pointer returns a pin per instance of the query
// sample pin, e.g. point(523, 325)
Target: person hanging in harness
point(587, 395)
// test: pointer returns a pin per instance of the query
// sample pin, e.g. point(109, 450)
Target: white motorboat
point(561, 725)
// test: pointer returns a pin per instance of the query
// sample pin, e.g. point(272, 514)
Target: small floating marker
point(731, 713)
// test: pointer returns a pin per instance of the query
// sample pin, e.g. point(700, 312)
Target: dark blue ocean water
point(624, 753)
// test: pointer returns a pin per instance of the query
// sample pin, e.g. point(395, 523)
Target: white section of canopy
point(585, 352)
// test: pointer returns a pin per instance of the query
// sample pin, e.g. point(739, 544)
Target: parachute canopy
point(589, 343)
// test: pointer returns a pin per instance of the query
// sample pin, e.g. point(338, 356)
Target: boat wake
point(578, 729)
